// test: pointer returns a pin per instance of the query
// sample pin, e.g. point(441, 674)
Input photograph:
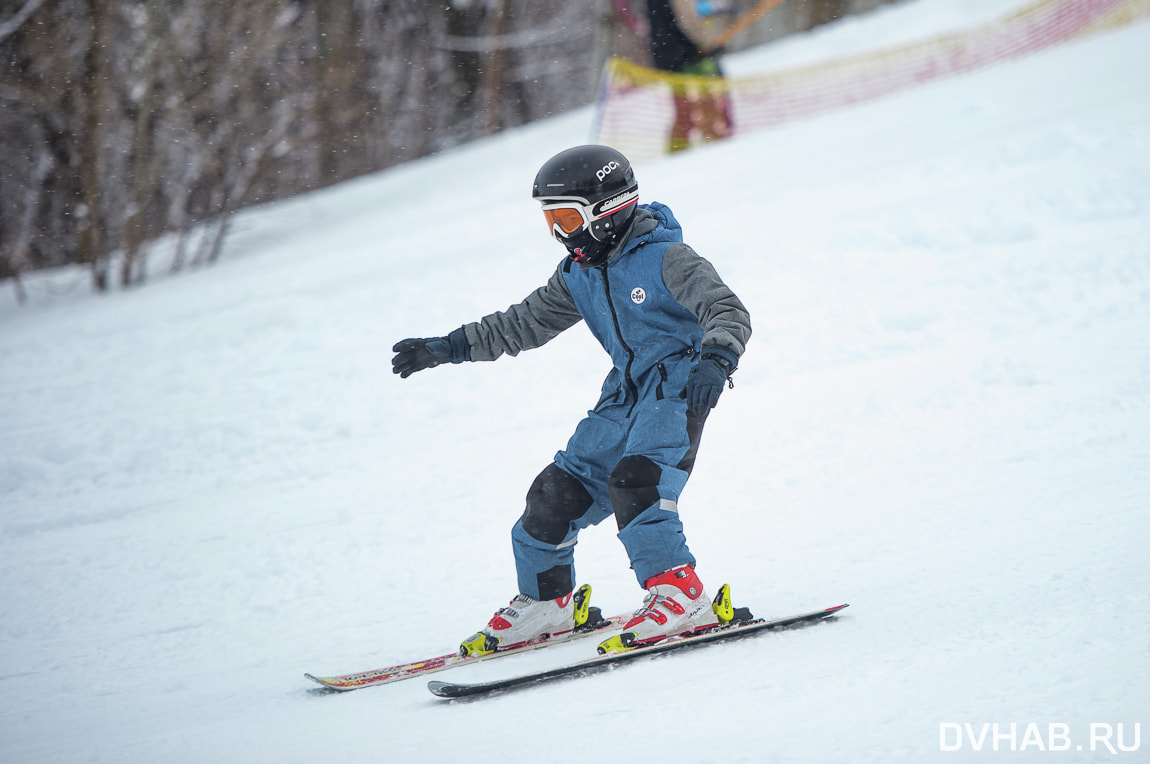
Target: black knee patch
point(555, 583)
point(554, 501)
point(633, 487)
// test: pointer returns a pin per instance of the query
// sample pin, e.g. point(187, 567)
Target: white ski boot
point(526, 621)
point(676, 604)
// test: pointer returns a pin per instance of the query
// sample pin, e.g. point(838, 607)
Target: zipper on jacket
point(662, 380)
point(619, 333)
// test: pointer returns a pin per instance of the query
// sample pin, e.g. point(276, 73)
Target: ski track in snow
point(212, 484)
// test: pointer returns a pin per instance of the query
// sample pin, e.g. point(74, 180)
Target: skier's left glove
point(706, 380)
point(412, 355)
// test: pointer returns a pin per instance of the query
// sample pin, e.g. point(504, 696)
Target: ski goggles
point(565, 217)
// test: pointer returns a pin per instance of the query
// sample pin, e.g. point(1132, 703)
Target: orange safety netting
point(646, 112)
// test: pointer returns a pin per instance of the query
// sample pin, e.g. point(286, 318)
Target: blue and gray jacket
point(655, 306)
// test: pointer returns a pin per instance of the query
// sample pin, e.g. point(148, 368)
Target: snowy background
point(213, 484)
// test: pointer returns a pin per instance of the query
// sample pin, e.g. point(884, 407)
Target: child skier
point(675, 333)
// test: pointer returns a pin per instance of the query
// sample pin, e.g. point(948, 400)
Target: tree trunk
point(493, 68)
point(91, 241)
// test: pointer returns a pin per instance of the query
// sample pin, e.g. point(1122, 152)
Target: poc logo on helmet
point(606, 170)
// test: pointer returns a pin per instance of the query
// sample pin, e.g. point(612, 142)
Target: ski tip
point(328, 684)
point(319, 681)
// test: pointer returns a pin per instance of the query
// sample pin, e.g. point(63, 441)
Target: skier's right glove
point(412, 355)
point(706, 380)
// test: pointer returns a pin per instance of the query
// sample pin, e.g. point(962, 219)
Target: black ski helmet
point(596, 183)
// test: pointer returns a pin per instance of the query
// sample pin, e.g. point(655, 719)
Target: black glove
point(414, 355)
point(705, 382)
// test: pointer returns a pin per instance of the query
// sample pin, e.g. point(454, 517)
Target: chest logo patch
point(638, 295)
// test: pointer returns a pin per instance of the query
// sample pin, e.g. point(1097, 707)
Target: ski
point(606, 662)
point(347, 682)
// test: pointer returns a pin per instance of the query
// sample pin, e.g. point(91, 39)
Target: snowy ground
point(213, 484)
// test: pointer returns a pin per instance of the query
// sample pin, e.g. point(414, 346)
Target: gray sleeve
point(545, 313)
point(695, 284)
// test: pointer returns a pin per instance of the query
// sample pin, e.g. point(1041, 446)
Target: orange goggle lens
point(568, 219)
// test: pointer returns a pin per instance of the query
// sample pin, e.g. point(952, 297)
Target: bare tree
point(9, 27)
point(95, 117)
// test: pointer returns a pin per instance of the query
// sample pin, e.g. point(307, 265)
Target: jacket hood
point(654, 222)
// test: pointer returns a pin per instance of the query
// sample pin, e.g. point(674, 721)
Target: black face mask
point(586, 251)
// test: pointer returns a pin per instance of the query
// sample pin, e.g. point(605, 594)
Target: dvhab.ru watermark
point(1101, 737)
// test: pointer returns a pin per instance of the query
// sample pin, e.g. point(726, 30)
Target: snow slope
point(213, 484)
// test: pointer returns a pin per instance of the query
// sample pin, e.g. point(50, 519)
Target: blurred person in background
point(683, 42)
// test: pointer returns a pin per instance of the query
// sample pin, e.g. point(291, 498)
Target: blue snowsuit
point(655, 306)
